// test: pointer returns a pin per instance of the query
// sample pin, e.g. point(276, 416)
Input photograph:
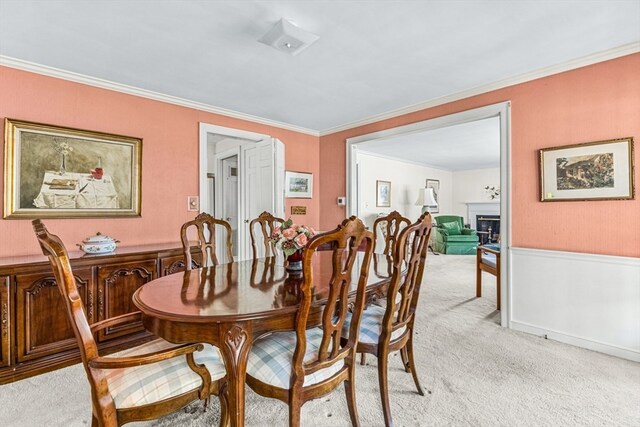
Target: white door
point(259, 186)
point(230, 190)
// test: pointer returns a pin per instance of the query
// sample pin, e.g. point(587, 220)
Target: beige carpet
point(476, 374)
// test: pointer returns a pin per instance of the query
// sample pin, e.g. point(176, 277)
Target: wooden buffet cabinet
point(35, 334)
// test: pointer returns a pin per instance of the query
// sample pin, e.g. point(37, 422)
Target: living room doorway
point(496, 115)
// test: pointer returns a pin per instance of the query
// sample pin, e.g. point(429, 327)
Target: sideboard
point(35, 333)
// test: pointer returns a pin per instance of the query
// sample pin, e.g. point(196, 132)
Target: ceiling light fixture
point(287, 37)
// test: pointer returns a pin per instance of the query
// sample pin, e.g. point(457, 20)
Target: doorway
point(234, 186)
point(230, 195)
point(501, 112)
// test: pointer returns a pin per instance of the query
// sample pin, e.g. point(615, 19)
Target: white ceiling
point(473, 145)
point(372, 57)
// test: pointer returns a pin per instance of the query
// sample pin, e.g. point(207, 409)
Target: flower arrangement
point(62, 147)
point(291, 237)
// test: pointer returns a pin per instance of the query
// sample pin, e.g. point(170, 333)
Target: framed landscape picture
point(383, 194)
point(435, 184)
point(600, 170)
point(59, 172)
point(298, 185)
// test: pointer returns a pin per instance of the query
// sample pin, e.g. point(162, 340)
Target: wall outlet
point(342, 201)
point(193, 203)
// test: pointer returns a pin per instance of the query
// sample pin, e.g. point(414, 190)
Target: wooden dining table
point(230, 305)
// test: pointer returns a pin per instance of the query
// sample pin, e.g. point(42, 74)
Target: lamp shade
point(426, 197)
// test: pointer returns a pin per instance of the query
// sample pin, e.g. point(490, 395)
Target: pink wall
point(598, 102)
point(169, 158)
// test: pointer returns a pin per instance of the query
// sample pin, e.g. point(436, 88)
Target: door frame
point(502, 110)
point(204, 130)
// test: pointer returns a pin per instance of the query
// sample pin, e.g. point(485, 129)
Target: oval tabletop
point(243, 289)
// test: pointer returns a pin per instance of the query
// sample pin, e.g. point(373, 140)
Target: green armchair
point(453, 238)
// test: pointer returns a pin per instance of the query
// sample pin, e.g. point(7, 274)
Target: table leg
point(236, 340)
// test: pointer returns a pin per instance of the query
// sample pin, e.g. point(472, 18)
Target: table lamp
point(426, 199)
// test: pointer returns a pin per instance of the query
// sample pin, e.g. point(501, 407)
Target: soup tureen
point(99, 244)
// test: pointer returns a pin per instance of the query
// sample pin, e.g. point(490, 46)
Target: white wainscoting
point(587, 300)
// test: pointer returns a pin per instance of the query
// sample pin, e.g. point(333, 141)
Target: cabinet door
point(175, 264)
point(5, 321)
point(42, 318)
point(116, 285)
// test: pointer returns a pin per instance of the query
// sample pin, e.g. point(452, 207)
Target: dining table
point(231, 305)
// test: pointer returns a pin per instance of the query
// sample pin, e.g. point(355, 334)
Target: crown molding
point(402, 160)
point(20, 64)
point(602, 56)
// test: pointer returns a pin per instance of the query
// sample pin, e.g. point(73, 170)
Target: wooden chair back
point(389, 227)
point(267, 223)
point(54, 249)
point(205, 226)
point(408, 268)
point(345, 241)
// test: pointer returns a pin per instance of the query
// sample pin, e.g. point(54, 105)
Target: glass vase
point(63, 164)
point(294, 261)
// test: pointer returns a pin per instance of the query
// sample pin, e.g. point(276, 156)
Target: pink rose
point(289, 233)
point(301, 240)
point(294, 226)
point(276, 232)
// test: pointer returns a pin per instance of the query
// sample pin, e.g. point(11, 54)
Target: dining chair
point(140, 383)
point(387, 329)
point(311, 361)
point(267, 223)
point(388, 227)
point(205, 226)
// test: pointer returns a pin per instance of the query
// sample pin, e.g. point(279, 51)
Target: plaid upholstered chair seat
point(371, 325)
point(271, 357)
point(151, 383)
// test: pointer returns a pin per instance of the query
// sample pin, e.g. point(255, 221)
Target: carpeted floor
point(476, 374)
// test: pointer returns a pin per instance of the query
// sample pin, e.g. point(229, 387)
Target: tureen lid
point(99, 238)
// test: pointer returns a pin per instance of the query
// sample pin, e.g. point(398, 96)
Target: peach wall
point(169, 158)
point(597, 102)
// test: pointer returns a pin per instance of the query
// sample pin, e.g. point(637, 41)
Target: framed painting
point(435, 184)
point(383, 194)
point(298, 185)
point(59, 172)
point(600, 170)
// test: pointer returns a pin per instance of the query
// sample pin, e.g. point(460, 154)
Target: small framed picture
point(298, 185)
point(435, 184)
point(600, 170)
point(383, 194)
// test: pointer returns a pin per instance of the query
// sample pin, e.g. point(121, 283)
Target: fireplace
point(488, 228)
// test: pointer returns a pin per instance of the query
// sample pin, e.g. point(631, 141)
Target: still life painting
point(588, 171)
point(59, 172)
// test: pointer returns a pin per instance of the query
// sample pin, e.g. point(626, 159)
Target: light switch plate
point(193, 204)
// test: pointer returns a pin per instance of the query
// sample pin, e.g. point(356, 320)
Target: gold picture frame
point(599, 170)
point(60, 172)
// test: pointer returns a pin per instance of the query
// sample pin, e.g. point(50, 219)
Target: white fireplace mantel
point(481, 208)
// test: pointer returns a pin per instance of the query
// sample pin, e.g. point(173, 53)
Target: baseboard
point(624, 353)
